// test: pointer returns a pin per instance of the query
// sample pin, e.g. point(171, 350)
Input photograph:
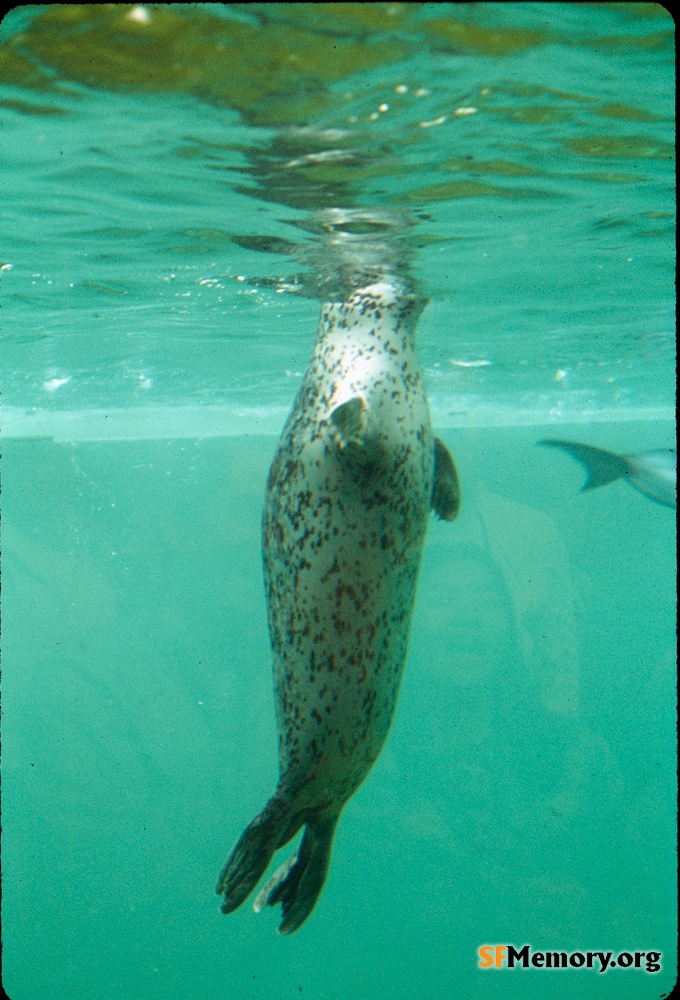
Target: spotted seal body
point(355, 476)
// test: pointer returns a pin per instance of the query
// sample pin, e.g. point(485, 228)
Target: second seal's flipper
point(602, 466)
point(297, 885)
point(446, 486)
point(247, 863)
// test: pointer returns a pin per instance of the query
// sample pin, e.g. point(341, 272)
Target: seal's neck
point(388, 305)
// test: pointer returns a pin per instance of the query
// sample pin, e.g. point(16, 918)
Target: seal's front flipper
point(446, 486)
point(602, 466)
point(248, 861)
point(297, 885)
point(349, 422)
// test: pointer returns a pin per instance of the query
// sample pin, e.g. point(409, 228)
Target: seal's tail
point(296, 885)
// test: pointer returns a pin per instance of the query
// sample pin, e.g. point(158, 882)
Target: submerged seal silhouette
point(356, 473)
point(653, 473)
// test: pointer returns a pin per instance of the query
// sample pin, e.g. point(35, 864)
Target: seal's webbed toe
point(249, 860)
point(297, 884)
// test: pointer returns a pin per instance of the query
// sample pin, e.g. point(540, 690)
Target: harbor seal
point(356, 473)
point(652, 473)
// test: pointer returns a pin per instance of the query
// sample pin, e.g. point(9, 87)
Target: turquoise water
point(152, 344)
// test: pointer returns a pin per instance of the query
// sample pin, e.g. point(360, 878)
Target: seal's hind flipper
point(446, 486)
point(349, 422)
point(297, 885)
point(602, 466)
point(248, 861)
